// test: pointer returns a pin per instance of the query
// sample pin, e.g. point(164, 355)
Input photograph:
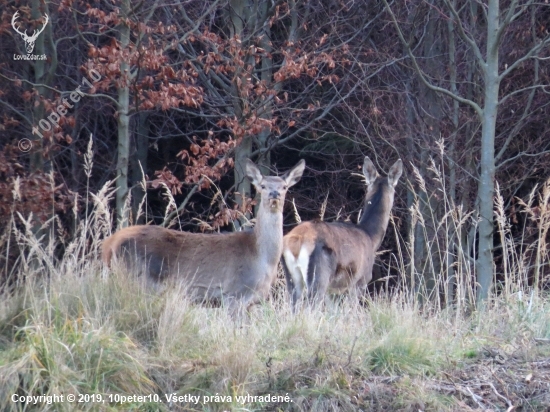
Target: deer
point(29, 40)
point(321, 257)
point(235, 268)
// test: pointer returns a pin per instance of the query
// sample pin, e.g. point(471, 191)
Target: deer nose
point(274, 194)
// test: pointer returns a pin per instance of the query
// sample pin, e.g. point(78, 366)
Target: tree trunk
point(487, 166)
point(37, 161)
point(450, 283)
point(239, 18)
point(427, 254)
point(123, 147)
point(42, 75)
point(139, 166)
point(242, 184)
point(264, 162)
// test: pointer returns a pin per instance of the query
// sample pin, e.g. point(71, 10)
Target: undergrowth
point(71, 327)
point(82, 333)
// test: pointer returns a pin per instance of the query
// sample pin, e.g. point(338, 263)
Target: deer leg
point(293, 290)
point(237, 307)
point(294, 269)
point(319, 272)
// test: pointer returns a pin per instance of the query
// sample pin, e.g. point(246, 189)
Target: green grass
point(81, 333)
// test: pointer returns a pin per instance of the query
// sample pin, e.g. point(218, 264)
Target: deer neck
point(269, 235)
point(376, 214)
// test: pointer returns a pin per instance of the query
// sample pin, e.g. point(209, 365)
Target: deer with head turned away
point(234, 268)
point(321, 257)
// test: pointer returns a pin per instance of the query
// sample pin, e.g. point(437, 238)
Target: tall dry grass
point(445, 272)
point(71, 326)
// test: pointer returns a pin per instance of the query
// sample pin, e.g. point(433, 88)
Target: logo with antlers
point(29, 40)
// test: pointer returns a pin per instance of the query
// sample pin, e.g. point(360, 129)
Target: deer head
point(29, 40)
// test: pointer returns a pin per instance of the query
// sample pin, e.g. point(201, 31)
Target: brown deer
point(323, 257)
point(233, 268)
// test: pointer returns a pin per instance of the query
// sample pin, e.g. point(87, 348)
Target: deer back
point(239, 265)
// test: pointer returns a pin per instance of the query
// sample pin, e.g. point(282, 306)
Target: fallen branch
point(475, 398)
point(508, 402)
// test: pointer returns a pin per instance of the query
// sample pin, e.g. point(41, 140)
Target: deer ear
point(293, 176)
point(395, 173)
point(369, 171)
point(253, 173)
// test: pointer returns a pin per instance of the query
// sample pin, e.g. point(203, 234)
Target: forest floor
point(494, 382)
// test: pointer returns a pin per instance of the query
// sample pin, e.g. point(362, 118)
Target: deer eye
point(263, 186)
point(285, 187)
